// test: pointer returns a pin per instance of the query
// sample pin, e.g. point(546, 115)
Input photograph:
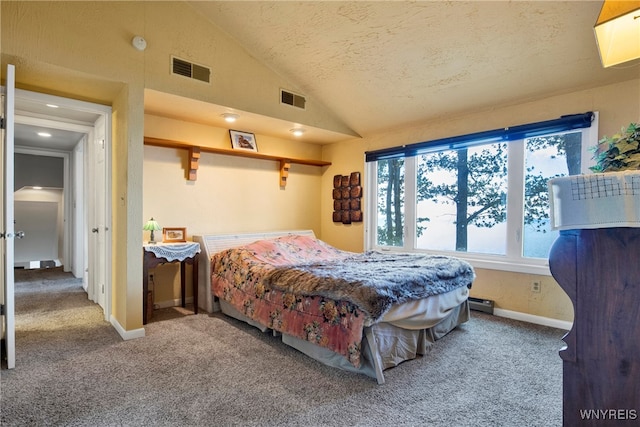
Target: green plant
point(618, 152)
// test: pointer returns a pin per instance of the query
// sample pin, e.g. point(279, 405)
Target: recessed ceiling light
point(44, 134)
point(52, 106)
point(230, 117)
point(297, 132)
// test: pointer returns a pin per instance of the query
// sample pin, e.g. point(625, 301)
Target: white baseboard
point(126, 335)
point(531, 318)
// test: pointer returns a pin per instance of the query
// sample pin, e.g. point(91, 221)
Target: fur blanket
point(374, 281)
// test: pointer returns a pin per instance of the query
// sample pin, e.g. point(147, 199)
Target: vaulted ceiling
point(388, 64)
point(383, 65)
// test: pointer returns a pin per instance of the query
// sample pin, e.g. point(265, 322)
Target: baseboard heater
point(479, 304)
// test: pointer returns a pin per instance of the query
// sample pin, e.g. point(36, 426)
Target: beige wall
point(79, 50)
point(231, 194)
point(82, 50)
point(345, 158)
point(618, 105)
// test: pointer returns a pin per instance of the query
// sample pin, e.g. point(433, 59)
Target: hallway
point(52, 309)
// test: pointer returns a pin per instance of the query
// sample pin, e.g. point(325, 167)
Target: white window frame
point(512, 261)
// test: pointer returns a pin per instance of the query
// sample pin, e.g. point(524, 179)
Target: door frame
point(99, 110)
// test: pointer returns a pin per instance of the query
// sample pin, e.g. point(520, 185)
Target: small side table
point(164, 253)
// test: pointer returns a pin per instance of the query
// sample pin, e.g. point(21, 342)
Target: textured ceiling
point(388, 64)
point(383, 65)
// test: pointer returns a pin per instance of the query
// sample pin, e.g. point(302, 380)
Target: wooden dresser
point(600, 271)
point(596, 261)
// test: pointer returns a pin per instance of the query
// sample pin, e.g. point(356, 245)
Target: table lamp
point(152, 225)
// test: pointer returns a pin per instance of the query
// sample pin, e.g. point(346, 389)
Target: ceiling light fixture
point(52, 105)
point(297, 132)
point(37, 187)
point(230, 117)
point(44, 134)
point(617, 32)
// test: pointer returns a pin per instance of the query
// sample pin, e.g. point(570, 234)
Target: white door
point(6, 211)
point(100, 229)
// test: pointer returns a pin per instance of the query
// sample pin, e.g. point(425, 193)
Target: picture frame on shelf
point(243, 141)
point(174, 234)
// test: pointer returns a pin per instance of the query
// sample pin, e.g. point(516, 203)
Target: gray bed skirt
point(383, 344)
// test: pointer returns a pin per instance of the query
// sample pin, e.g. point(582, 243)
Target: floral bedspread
point(306, 288)
point(237, 278)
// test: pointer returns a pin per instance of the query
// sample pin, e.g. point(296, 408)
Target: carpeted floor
point(73, 369)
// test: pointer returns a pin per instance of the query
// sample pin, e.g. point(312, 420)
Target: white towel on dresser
point(601, 200)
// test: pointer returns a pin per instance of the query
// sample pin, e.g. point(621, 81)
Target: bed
point(358, 312)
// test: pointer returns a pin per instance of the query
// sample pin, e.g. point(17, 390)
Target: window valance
point(514, 133)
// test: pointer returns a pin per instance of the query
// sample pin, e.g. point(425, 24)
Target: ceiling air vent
point(292, 99)
point(190, 70)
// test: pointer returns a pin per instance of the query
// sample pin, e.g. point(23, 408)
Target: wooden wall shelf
point(195, 150)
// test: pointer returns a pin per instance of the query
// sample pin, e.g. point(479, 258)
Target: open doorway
point(39, 210)
point(77, 134)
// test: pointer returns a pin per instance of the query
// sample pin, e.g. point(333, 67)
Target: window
point(390, 198)
point(482, 197)
point(462, 199)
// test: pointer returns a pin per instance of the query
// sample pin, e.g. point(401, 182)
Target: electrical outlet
point(536, 286)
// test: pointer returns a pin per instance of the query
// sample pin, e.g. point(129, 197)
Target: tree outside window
point(462, 195)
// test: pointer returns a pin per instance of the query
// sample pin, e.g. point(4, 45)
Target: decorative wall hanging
point(347, 195)
point(243, 140)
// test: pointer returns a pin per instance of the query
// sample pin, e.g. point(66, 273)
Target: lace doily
point(174, 251)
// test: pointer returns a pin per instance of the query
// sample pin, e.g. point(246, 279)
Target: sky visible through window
point(548, 163)
point(440, 232)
